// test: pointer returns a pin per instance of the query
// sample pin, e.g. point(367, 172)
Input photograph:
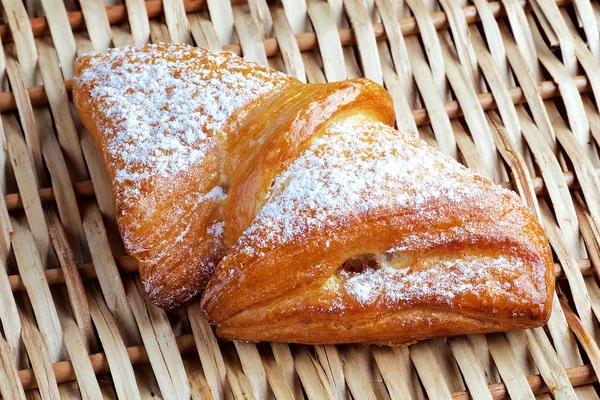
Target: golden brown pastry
point(158, 115)
point(370, 235)
point(335, 227)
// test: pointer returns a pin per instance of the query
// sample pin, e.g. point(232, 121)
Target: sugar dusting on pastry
point(170, 103)
point(160, 111)
point(500, 276)
point(361, 168)
point(357, 167)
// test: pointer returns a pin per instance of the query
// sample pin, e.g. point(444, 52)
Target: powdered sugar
point(182, 234)
point(480, 276)
point(356, 168)
point(169, 105)
point(217, 229)
point(217, 193)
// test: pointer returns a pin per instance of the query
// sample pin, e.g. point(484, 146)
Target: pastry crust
point(327, 225)
point(447, 252)
point(158, 115)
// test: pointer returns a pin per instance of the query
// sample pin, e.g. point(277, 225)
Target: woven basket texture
point(511, 89)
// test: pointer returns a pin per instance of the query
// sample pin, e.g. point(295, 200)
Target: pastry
point(158, 114)
point(327, 225)
point(372, 236)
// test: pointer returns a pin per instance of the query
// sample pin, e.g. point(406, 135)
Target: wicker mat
point(511, 89)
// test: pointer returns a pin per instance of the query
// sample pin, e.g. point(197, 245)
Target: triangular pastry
point(334, 227)
point(157, 114)
point(371, 235)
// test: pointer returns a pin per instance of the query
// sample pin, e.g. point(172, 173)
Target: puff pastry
point(328, 225)
point(158, 115)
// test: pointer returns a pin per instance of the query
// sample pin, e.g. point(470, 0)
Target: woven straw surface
point(510, 89)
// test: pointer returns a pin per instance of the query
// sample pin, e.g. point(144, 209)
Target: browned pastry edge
point(408, 327)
